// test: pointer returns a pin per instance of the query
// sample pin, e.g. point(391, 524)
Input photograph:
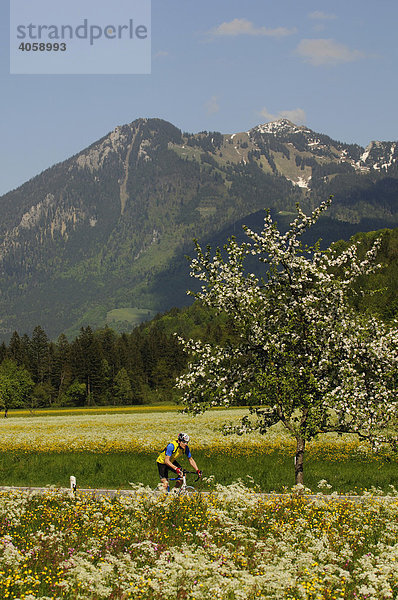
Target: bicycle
point(184, 489)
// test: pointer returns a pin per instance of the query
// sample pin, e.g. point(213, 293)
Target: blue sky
point(224, 65)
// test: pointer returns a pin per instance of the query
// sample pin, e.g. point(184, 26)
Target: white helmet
point(183, 437)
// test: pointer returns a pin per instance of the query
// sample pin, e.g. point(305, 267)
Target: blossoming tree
point(302, 356)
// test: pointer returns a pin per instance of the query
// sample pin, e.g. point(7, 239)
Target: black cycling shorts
point(164, 470)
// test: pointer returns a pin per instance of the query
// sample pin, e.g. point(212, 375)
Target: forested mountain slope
point(102, 367)
point(108, 229)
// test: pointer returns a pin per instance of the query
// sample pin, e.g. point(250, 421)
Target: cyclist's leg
point(163, 473)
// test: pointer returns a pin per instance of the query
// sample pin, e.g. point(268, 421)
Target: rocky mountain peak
point(280, 126)
point(380, 155)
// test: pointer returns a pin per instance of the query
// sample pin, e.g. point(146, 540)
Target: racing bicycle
point(184, 489)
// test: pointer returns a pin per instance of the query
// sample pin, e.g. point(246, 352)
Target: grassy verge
point(271, 472)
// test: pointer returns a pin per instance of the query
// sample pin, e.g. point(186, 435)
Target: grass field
point(112, 447)
point(135, 316)
point(265, 471)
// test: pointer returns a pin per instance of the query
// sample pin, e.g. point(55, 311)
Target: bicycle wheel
point(188, 490)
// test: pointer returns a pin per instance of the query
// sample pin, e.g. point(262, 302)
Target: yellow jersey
point(173, 451)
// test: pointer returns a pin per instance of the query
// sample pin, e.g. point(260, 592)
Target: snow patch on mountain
point(301, 182)
point(280, 126)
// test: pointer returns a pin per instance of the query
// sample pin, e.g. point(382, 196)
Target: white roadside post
point(73, 484)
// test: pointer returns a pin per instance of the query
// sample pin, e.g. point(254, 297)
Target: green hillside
point(378, 292)
point(105, 366)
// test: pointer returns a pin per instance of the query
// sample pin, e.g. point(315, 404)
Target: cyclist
point(167, 460)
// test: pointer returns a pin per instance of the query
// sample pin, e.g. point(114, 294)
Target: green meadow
point(264, 471)
point(112, 448)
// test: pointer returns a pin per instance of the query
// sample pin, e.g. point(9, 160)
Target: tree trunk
point(299, 461)
point(61, 383)
point(88, 391)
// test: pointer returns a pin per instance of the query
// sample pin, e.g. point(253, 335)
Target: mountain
point(102, 236)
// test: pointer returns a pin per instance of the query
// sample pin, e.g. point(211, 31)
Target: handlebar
point(185, 472)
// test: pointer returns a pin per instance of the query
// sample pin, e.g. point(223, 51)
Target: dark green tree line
point(96, 368)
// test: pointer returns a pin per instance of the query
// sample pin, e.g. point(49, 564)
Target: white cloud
point(267, 115)
point(212, 105)
point(296, 115)
point(326, 52)
point(318, 15)
point(245, 27)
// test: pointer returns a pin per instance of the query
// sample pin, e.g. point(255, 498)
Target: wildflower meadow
point(230, 542)
point(139, 430)
point(230, 545)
